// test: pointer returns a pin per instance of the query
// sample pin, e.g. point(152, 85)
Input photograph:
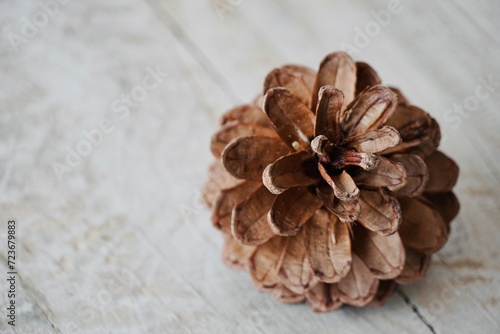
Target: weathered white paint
point(121, 244)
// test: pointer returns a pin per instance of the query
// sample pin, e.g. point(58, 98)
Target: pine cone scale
point(292, 120)
point(328, 114)
point(244, 157)
point(323, 297)
point(235, 129)
point(299, 80)
point(346, 211)
point(365, 77)
point(383, 255)
point(359, 286)
point(292, 209)
point(380, 212)
point(374, 141)
point(337, 70)
point(249, 223)
point(417, 174)
point(293, 170)
point(423, 228)
point(328, 245)
point(296, 271)
point(369, 110)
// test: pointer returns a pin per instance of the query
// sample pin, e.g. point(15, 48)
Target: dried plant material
point(296, 272)
point(443, 173)
point(337, 158)
point(384, 291)
point(410, 121)
point(235, 129)
point(346, 211)
point(422, 228)
point(419, 131)
point(388, 174)
point(249, 218)
point(401, 98)
point(431, 142)
point(366, 77)
point(446, 203)
point(328, 246)
point(247, 114)
point(337, 70)
point(265, 263)
point(329, 187)
point(359, 286)
point(328, 113)
point(417, 174)
point(258, 102)
point(415, 268)
point(292, 209)
point(210, 191)
point(236, 255)
point(299, 80)
point(369, 110)
point(342, 184)
point(286, 296)
point(380, 212)
point(293, 170)
point(384, 256)
point(374, 141)
point(323, 297)
point(218, 179)
point(246, 157)
point(293, 121)
point(226, 200)
point(344, 187)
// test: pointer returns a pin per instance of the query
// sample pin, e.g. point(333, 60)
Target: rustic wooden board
point(120, 243)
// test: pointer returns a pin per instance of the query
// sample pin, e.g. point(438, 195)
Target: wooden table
point(107, 108)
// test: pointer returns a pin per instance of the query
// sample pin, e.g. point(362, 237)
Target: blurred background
point(106, 113)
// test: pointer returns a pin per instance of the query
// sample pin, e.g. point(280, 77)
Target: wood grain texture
point(121, 243)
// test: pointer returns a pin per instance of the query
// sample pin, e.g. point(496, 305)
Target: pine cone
point(329, 188)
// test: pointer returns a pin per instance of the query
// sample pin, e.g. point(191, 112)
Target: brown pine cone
point(330, 187)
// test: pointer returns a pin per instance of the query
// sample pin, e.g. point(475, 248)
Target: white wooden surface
point(121, 244)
